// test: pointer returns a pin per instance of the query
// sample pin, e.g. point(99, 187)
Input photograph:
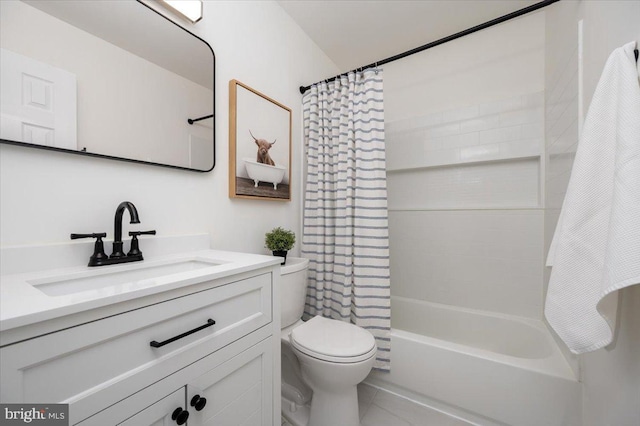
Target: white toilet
point(323, 360)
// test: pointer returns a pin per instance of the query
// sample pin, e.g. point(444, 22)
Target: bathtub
point(486, 368)
point(264, 172)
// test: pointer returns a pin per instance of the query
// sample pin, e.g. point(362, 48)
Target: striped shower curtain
point(345, 233)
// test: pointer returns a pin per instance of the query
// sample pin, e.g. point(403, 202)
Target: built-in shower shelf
point(457, 208)
point(494, 159)
point(499, 184)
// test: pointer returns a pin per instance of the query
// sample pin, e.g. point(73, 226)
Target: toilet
point(323, 360)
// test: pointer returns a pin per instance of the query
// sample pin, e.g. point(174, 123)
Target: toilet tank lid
point(333, 338)
point(294, 264)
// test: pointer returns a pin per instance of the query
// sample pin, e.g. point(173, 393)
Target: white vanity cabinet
point(110, 373)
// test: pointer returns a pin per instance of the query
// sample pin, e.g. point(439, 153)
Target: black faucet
point(99, 258)
point(117, 228)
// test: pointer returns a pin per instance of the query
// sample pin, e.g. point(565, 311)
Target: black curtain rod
point(468, 31)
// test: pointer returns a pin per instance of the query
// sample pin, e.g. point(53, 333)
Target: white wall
point(610, 376)
point(464, 127)
point(44, 196)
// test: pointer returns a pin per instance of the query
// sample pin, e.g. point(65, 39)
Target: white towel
point(596, 247)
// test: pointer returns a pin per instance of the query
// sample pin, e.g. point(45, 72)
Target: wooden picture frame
point(259, 145)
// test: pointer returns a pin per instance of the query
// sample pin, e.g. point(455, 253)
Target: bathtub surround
point(345, 232)
point(596, 248)
point(510, 128)
point(465, 126)
point(464, 187)
point(464, 250)
point(465, 129)
point(562, 124)
point(477, 259)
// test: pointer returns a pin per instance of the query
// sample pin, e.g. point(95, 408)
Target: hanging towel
point(596, 247)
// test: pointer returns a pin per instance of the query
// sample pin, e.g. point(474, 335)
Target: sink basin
point(117, 279)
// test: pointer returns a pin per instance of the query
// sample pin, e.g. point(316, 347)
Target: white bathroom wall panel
point(491, 65)
point(45, 196)
point(561, 125)
point(465, 134)
point(498, 130)
point(482, 259)
point(561, 118)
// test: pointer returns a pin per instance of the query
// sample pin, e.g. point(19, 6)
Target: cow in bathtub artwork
point(260, 145)
point(264, 169)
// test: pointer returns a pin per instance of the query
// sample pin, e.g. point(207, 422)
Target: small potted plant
point(280, 241)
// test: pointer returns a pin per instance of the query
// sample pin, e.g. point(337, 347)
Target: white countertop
point(23, 304)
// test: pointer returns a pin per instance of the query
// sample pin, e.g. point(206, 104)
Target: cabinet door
point(158, 414)
point(237, 392)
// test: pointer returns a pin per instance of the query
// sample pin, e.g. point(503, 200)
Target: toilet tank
point(293, 289)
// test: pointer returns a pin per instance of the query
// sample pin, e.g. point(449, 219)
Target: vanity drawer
point(95, 365)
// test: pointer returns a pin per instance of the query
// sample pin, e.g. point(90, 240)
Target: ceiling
point(354, 33)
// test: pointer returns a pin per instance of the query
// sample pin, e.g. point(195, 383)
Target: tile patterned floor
point(381, 408)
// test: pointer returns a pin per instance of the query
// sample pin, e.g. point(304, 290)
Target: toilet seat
point(333, 341)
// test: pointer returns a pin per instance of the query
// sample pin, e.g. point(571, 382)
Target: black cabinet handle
point(180, 415)
point(198, 402)
point(155, 344)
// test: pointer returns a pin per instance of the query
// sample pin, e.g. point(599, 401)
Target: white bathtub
point(487, 368)
point(264, 172)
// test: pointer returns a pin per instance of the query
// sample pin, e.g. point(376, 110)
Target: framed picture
point(259, 145)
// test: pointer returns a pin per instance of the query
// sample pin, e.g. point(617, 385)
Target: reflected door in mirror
point(29, 110)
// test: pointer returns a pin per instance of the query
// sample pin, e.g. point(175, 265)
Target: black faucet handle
point(135, 248)
point(98, 256)
point(99, 236)
point(136, 233)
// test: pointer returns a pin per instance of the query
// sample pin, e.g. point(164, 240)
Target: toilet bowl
point(323, 360)
point(334, 357)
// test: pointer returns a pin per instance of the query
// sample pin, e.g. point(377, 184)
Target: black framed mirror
point(113, 79)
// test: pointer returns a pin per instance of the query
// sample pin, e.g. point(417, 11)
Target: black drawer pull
point(155, 344)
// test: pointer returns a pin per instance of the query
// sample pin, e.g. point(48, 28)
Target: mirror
point(113, 79)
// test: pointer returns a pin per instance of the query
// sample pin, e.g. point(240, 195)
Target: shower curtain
point(345, 231)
